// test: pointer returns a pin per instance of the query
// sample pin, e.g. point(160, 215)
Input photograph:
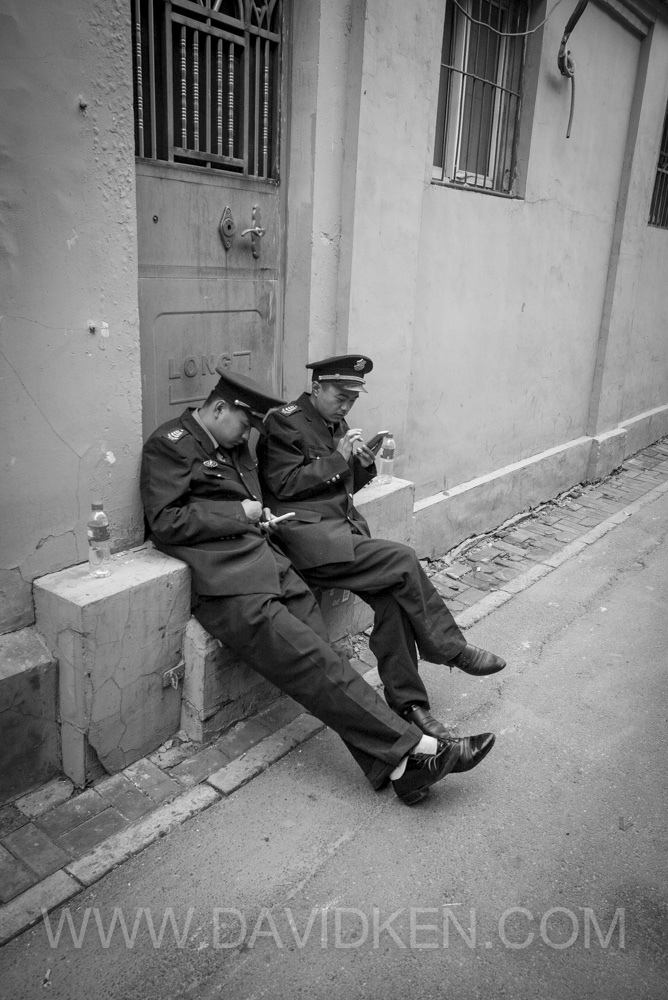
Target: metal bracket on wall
point(175, 675)
point(227, 228)
point(256, 231)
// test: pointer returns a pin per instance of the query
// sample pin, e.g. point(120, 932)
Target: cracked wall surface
point(70, 398)
point(114, 639)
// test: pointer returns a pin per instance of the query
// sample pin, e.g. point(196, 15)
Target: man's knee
point(401, 554)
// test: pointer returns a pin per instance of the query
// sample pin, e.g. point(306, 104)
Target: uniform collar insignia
point(290, 408)
point(210, 464)
point(176, 434)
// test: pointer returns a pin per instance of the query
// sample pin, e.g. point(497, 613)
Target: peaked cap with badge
point(242, 390)
point(345, 370)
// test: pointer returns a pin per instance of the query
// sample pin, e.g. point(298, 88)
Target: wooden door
point(210, 205)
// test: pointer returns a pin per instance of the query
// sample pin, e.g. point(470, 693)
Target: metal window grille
point(207, 83)
point(658, 213)
point(480, 93)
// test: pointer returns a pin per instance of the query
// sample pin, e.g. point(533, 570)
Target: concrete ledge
point(218, 688)
point(29, 730)
point(644, 429)
point(114, 639)
point(444, 520)
point(607, 453)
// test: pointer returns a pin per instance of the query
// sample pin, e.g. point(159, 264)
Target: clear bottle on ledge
point(99, 542)
point(386, 460)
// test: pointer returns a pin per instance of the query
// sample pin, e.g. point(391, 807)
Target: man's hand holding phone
point(367, 452)
point(270, 523)
point(350, 441)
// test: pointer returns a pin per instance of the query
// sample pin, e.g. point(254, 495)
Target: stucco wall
point(71, 406)
point(645, 380)
point(385, 204)
point(510, 292)
point(483, 314)
point(498, 327)
point(643, 390)
point(322, 138)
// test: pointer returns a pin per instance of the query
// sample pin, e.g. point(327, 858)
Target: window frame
point(658, 211)
point(457, 88)
point(207, 84)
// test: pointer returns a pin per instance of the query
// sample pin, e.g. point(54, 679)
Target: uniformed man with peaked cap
point(203, 504)
point(312, 462)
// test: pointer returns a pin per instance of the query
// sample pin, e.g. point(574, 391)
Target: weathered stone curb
point(123, 845)
point(238, 772)
point(24, 911)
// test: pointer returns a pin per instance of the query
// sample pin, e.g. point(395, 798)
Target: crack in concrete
point(39, 408)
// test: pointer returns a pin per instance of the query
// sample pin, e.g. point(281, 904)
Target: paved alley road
point(542, 874)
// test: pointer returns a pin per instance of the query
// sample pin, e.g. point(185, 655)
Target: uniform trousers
point(285, 639)
point(409, 614)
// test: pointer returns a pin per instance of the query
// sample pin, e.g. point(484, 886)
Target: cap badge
point(360, 365)
point(176, 434)
point(210, 464)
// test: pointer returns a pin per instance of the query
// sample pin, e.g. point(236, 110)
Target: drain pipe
point(565, 61)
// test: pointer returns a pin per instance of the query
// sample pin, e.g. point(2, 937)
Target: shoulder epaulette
point(291, 408)
point(176, 434)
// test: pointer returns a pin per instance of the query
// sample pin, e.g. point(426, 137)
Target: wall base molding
point(442, 521)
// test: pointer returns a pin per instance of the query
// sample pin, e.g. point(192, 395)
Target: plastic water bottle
point(386, 460)
point(99, 544)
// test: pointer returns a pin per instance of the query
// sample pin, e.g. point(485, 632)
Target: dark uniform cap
point(241, 390)
point(346, 370)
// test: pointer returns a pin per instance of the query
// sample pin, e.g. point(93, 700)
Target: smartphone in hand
point(376, 441)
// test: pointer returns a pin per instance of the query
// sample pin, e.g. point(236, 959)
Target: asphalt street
point(542, 873)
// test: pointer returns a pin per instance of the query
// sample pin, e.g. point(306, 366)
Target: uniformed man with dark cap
point(203, 504)
point(311, 462)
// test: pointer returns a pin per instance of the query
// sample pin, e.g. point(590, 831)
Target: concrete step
point(29, 730)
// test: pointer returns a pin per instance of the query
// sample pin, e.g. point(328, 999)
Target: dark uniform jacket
point(192, 495)
point(302, 471)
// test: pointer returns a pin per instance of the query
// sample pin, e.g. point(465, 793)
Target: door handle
point(256, 232)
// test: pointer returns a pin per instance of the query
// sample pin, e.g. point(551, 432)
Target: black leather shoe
point(424, 770)
point(473, 749)
point(424, 720)
point(478, 662)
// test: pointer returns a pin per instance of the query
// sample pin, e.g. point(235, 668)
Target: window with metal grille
point(658, 213)
point(480, 93)
point(207, 83)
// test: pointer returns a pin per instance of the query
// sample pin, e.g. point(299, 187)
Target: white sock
point(427, 745)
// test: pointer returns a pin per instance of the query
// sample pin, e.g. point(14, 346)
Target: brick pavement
point(54, 841)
